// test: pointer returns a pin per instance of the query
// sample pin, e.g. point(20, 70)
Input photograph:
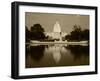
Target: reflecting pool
point(53, 55)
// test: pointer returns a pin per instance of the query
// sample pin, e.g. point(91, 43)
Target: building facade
point(56, 34)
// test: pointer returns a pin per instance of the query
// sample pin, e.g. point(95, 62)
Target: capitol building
point(56, 34)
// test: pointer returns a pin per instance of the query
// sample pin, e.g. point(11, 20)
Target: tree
point(68, 37)
point(27, 34)
point(85, 34)
point(76, 33)
point(37, 32)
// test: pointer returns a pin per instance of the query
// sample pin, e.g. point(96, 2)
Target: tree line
point(37, 33)
point(78, 34)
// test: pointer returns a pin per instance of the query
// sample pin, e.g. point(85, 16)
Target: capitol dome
point(57, 27)
point(57, 31)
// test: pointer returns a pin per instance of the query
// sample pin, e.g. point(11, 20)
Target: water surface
point(56, 55)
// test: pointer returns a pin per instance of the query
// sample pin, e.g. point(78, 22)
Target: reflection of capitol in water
point(56, 55)
point(57, 51)
point(57, 34)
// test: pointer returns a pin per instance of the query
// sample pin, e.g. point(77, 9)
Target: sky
point(48, 20)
